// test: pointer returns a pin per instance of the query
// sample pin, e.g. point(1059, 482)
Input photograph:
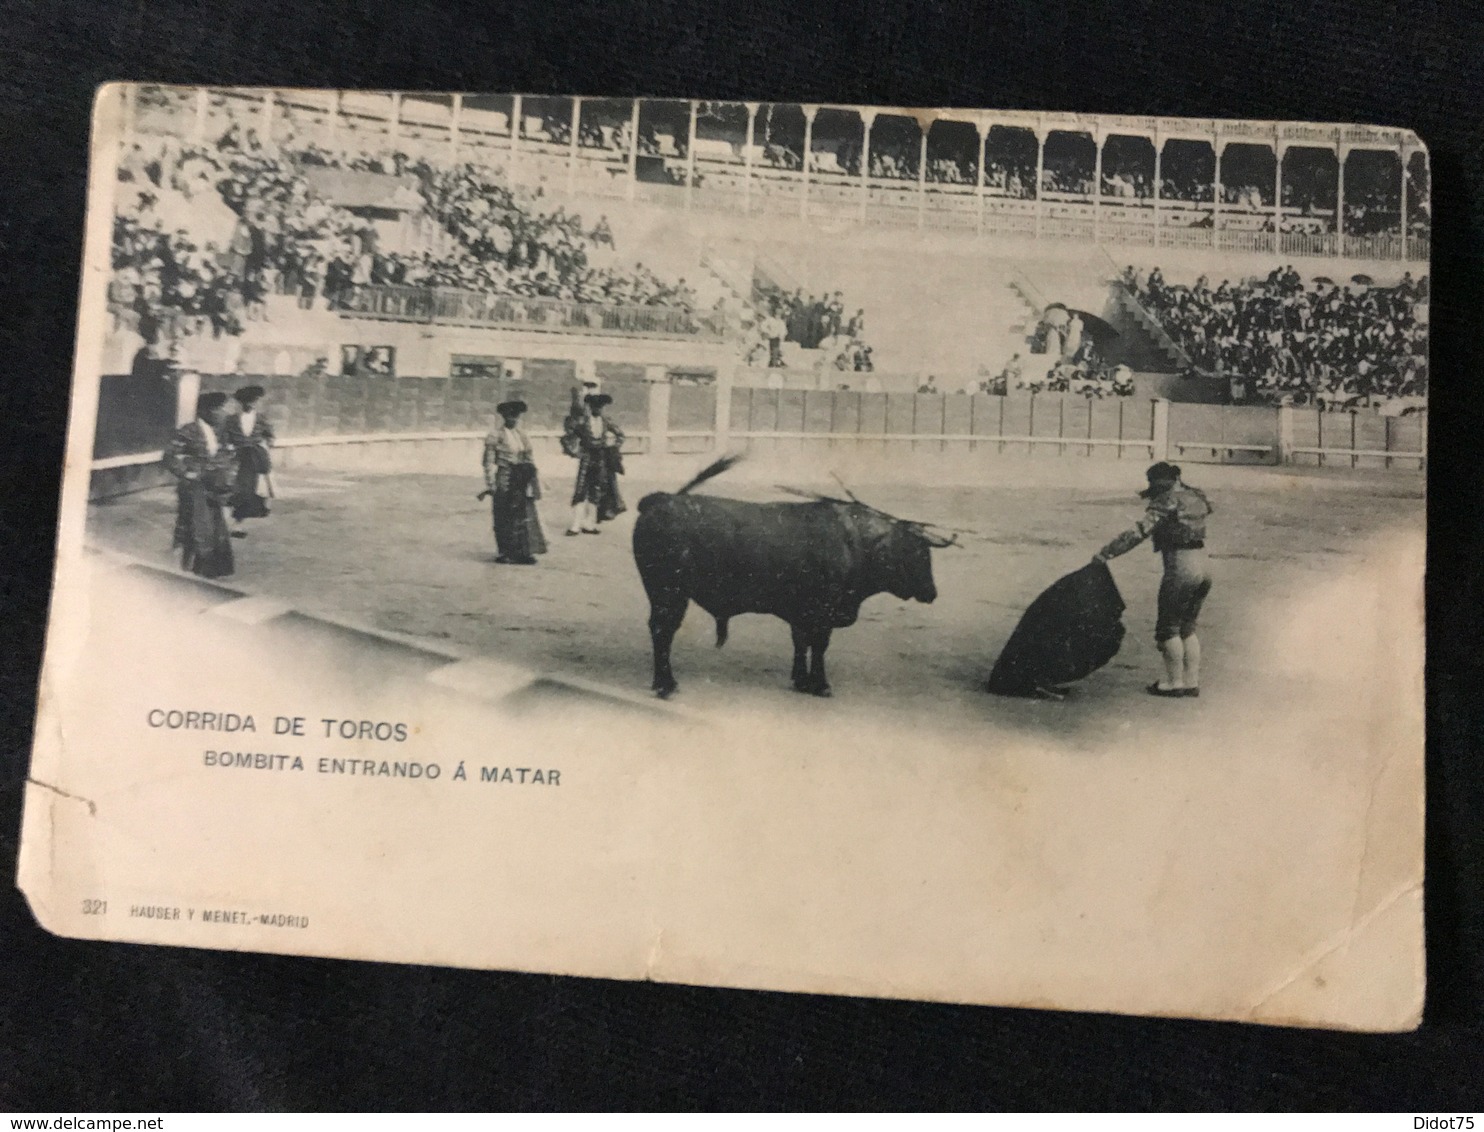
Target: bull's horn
point(849, 494)
point(929, 531)
point(803, 494)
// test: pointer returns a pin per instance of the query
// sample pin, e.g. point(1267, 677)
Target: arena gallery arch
point(1248, 175)
point(896, 148)
point(663, 145)
point(1010, 155)
point(484, 127)
point(836, 146)
point(602, 124)
point(1372, 180)
point(1068, 164)
point(953, 153)
point(1309, 179)
point(780, 132)
point(1419, 192)
point(1128, 168)
point(1187, 177)
point(426, 124)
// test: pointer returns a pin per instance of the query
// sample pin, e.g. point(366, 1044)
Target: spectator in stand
point(1073, 340)
point(773, 331)
point(805, 324)
point(834, 318)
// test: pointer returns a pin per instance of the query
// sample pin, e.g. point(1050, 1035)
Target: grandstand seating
point(1280, 339)
point(287, 237)
point(1365, 193)
point(372, 219)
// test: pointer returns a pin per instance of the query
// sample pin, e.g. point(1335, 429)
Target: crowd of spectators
point(1372, 213)
point(898, 161)
point(1188, 187)
point(1089, 376)
point(1066, 358)
point(1277, 339)
point(160, 276)
point(1127, 185)
point(894, 161)
point(950, 171)
point(1017, 181)
point(280, 237)
point(813, 322)
point(1067, 178)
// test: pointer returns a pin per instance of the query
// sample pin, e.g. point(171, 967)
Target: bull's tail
point(721, 631)
point(711, 471)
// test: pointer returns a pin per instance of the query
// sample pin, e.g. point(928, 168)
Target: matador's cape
point(1071, 630)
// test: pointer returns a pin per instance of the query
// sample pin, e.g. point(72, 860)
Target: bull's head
point(907, 562)
point(899, 551)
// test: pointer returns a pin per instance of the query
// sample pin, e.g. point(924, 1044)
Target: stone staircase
point(1030, 300)
point(770, 273)
point(732, 271)
point(1136, 319)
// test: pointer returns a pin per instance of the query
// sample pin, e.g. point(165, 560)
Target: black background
point(101, 1026)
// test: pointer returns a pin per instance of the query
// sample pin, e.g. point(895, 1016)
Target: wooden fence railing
point(137, 416)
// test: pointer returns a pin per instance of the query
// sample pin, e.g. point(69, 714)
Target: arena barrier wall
point(436, 424)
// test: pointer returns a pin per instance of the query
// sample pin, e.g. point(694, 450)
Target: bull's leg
point(665, 616)
point(818, 683)
point(801, 659)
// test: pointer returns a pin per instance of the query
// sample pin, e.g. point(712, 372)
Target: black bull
point(810, 564)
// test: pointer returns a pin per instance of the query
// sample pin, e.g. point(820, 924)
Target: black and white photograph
point(950, 554)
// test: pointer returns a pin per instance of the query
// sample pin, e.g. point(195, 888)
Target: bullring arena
point(995, 335)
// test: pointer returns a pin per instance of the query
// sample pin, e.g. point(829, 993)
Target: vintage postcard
point(961, 555)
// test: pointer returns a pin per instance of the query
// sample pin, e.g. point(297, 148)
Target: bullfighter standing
point(1175, 517)
point(203, 465)
point(510, 476)
point(597, 442)
point(250, 435)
